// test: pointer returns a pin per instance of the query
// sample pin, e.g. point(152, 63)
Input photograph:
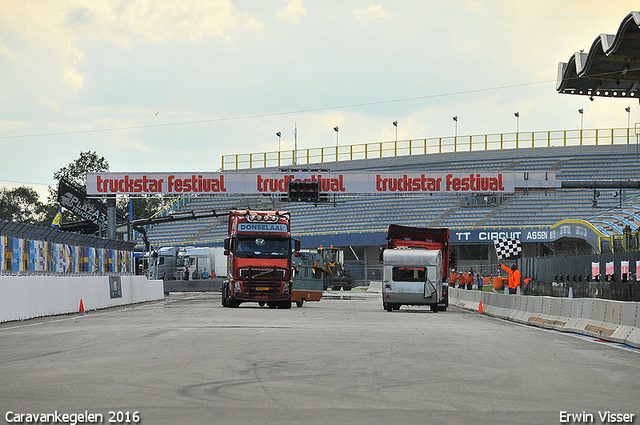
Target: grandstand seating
point(375, 212)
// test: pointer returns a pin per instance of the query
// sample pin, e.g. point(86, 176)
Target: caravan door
point(430, 284)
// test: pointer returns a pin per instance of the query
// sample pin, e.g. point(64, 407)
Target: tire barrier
point(610, 320)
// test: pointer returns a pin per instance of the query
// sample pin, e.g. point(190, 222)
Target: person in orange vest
point(470, 279)
point(514, 277)
point(526, 285)
point(453, 276)
point(462, 280)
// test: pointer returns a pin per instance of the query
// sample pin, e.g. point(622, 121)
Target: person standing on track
point(470, 277)
point(462, 280)
point(453, 278)
point(514, 277)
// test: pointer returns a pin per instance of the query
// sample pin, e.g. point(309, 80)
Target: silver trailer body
point(210, 258)
point(164, 263)
point(411, 276)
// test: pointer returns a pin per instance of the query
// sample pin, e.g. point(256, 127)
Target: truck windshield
point(261, 247)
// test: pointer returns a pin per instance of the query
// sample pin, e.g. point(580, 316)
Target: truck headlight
point(237, 287)
point(285, 287)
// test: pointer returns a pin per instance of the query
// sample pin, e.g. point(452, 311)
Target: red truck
point(259, 266)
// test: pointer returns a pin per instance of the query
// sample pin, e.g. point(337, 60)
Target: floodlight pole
point(455, 138)
point(336, 129)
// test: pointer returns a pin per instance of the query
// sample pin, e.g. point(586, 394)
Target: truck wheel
point(299, 303)
point(434, 308)
point(335, 288)
point(388, 307)
point(261, 303)
point(225, 300)
point(346, 288)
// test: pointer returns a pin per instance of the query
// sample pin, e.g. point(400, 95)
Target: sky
point(164, 85)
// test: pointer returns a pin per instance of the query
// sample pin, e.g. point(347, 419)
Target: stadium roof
point(611, 68)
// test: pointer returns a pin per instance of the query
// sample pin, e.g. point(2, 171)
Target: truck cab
point(166, 263)
point(259, 266)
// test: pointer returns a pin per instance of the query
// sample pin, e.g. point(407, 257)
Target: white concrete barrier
point(617, 321)
point(26, 297)
point(375, 286)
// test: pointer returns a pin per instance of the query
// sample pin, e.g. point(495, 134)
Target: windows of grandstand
point(483, 200)
point(471, 252)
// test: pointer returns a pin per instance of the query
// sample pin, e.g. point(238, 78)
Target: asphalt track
point(342, 360)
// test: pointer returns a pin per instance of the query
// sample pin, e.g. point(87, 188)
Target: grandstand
point(362, 220)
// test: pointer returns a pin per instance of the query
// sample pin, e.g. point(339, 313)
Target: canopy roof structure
point(611, 68)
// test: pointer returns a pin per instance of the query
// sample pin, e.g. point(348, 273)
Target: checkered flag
point(507, 247)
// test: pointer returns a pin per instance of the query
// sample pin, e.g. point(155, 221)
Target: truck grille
point(262, 274)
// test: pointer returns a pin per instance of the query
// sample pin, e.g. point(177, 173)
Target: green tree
point(21, 204)
point(145, 206)
point(76, 171)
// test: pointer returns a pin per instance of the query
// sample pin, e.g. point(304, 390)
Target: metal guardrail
point(50, 234)
point(483, 142)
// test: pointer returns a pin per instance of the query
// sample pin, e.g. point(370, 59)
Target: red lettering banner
point(109, 183)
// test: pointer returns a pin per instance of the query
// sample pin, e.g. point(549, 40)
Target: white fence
point(26, 297)
point(617, 321)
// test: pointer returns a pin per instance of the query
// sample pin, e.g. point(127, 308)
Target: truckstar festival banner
point(108, 183)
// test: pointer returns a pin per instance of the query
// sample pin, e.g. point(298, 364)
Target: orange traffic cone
point(480, 308)
point(81, 306)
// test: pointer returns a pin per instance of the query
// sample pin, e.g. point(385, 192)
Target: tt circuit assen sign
point(107, 183)
point(577, 229)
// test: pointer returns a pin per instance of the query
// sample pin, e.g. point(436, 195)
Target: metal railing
point(483, 142)
point(63, 274)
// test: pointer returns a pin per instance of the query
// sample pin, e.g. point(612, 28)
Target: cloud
point(372, 13)
point(162, 20)
point(4, 50)
point(253, 24)
point(73, 78)
point(49, 103)
point(293, 11)
point(62, 28)
point(331, 119)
